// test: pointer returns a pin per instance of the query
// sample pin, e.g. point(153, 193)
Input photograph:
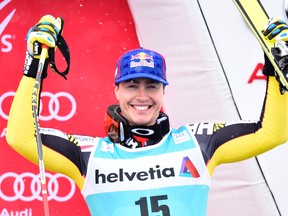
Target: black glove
point(268, 69)
point(46, 31)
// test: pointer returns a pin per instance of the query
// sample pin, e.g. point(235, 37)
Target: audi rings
point(2, 98)
point(53, 105)
point(54, 102)
point(19, 191)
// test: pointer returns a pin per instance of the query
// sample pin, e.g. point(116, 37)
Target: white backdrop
point(211, 54)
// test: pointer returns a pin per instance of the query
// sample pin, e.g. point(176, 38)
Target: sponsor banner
point(97, 32)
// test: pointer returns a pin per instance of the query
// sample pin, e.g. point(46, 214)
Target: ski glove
point(276, 29)
point(46, 31)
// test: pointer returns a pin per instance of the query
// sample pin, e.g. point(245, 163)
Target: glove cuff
point(31, 66)
point(268, 69)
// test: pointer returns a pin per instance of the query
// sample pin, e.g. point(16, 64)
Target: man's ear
point(116, 91)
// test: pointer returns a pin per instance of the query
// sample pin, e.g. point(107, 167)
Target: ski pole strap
point(63, 47)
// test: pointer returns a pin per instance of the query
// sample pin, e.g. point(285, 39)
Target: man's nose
point(142, 94)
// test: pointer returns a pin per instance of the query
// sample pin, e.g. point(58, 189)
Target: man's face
point(140, 100)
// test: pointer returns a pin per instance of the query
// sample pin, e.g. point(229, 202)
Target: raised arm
point(61, 154)
point(239, 141)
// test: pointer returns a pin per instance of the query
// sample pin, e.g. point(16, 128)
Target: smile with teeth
point(141, 107)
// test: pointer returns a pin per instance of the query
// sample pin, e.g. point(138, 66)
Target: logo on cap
point(144, 60)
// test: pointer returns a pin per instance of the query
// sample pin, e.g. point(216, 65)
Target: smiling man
point(140, 92)
point(140, 100)
point(143, 167)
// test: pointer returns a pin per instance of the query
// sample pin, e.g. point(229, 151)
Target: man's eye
point(153, 86)
point(132, 86)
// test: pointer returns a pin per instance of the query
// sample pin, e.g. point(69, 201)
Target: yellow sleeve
point(272, 132)
point(20, 134)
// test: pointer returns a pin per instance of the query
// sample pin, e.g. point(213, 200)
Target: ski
point(256, 17)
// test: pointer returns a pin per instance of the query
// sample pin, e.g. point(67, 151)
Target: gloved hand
point(46, 31)
point(276, 29)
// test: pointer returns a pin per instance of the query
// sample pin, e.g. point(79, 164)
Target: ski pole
point(35, 99)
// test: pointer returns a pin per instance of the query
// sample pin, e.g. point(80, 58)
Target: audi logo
point(20, 189)
point(53, 106)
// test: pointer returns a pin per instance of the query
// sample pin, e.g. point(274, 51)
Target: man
point(143, 166)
